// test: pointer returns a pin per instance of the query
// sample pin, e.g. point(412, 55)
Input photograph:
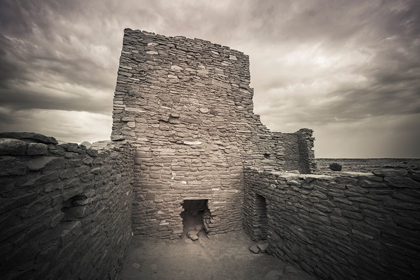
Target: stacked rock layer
point(187, 107)
point(64, 208)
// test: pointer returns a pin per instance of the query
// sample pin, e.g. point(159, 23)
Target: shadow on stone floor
point(219, 257)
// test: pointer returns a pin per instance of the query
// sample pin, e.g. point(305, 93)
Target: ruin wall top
point(186, 106)
point(171, 83)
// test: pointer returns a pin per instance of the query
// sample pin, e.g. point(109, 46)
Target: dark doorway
point(193, 218)
point(262, 219)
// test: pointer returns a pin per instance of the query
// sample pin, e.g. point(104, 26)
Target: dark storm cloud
point(338, 66)
point(22, 99)
point(387, 32)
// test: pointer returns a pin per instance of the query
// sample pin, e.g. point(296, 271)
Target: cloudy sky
point(350, 70)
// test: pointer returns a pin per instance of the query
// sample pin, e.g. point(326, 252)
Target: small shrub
point(336, 166)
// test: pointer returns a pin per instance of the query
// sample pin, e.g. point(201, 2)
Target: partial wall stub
point(186, 105)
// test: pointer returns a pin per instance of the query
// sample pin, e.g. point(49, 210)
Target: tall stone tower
point(187, 107)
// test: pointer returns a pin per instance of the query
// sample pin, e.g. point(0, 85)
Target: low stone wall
point(368, 164)
point(64, 208)
point(349, 226)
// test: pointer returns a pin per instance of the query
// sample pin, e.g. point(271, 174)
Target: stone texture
point(263, 247)
point(183, 118)
point(12, 147)
point(330, 237)
point(86, 144)
point(29, 136)
point(62, 220)
point(193, 235)
point(297, 151)
point(273, 275)
point(394, 165)
point(37, 149)
point(11, 166)
point(39, 163)
point(136, 265)
point(186, 105)
point(254, 249)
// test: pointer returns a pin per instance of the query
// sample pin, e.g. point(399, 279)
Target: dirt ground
point(220, 257)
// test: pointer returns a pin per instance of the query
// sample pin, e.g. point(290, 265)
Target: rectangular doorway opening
point(195, 218)
point(262, 219)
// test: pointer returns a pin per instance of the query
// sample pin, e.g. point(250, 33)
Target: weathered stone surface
point(86, 144)
point(39, 163)
point(50, 201)
point(390, 172)
point(12, 147)
point(136, 265)
point(193, 98)
point(29, 136)
point(402, 182)
point(11, 166)
point(273, 275)
point(150, 196)
point(336, 232)
point(193, 235)
point(263, 247)
point(192, 143)
point(6, 185)
point(187, 106)
point(254, 249)
point(37, 149)
point(176, 68)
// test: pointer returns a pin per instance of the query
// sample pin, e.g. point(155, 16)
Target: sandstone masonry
point(64, 208)
point(186, 106)
point(184, 130)
point(347, 226)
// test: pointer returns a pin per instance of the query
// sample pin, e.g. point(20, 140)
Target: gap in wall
point(194, 217)
point(262, 220)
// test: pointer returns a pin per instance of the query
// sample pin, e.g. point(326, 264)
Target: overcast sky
point(350, 70)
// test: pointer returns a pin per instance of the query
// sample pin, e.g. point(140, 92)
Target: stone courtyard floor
point(219, 257)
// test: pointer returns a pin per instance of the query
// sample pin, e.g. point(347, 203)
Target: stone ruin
point(187, 150)
point(186, 106)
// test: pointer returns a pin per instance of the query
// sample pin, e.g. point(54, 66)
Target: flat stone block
point(150, 196)
point(29, 136)
point(12, 166)
point(390, 172)
point(39, 163)
point(12, 147)
point(36, 149)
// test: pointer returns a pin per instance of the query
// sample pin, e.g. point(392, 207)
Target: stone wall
point(307, 163)
point(368, 164)
point(64, 208)
point(186, 106)
point(348, 226)
point(298, 153)
point(290, 145)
